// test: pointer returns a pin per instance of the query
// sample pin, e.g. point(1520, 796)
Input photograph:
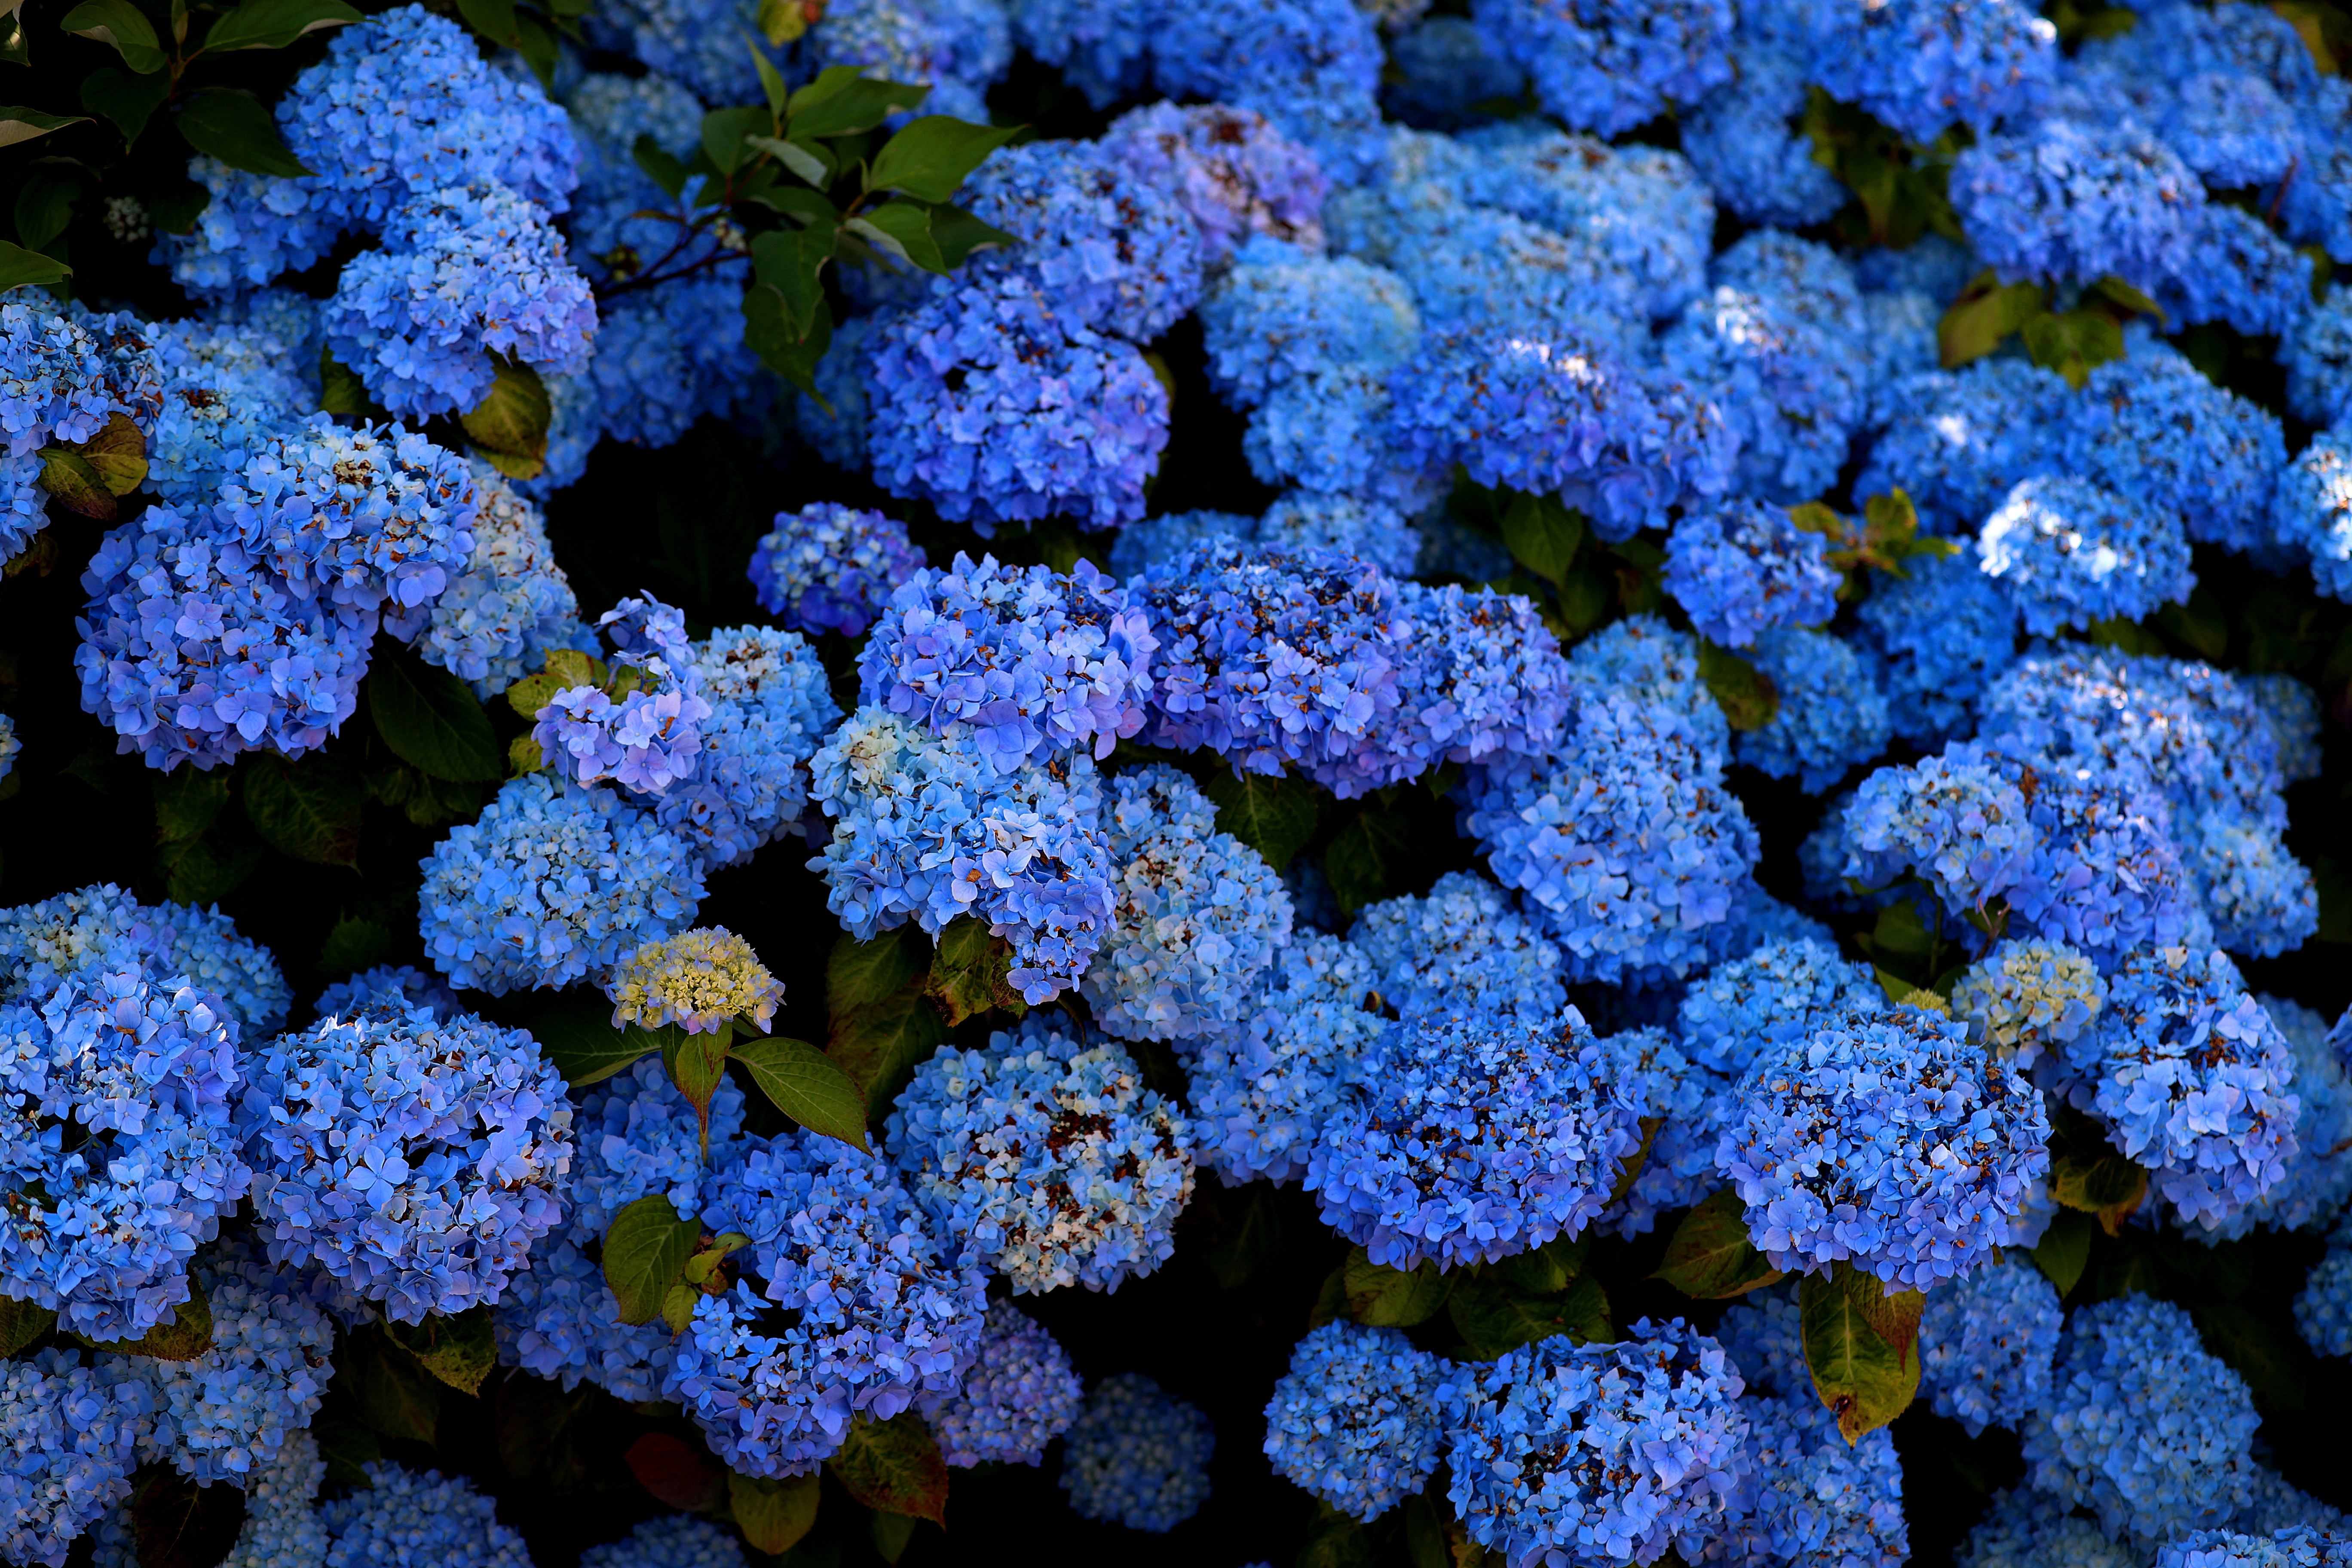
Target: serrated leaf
point(930, 157)
point(1380, 1297)
point(1858, 1376)
point(22, 1322)
point(676, 1472)
point(348, 1448)
point(1542, 536)
point(2065, 1249)
point(1494, 1318)
point(2273, 1363)
point(1548, 1270)
point(309, 810)
point(188, 800)
point(879, 1046)
point(459, 1350)
point(660, 165)
point(1745, 693)
point(860, 973)
point(19, 124)
point(275, 24)
point(231, 125)
point(892, 1466)
point(580, 1042)
point(792, 263)
point(644, 1252)
point(512, 419)
point(772, 1515)
point(1242, 1244)
point(1365, 858)
point(807, 1087)
point(391, 1392)
point(117, 455)
point(176, 1523)
point(697, 1065)
point(430, 721)
point(123, 26)
point(1275, 816)
point(1893, 1318)
point(783, 345)
point(68, 476)
point(45, 206)
point(126, 100)
point(1712, 1257)
point(678, 1307)
point(353, 944)
point(971, 972)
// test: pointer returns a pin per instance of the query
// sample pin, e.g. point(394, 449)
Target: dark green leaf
point(772, 81)
point(697, 1066)
point(123, 25)
point(186, 1336)
point(117, 455)
point(509, 425)
point(1380, 1297)
point(781, 21)
point(860, 973)
point(1542, 535)
point(15, 48)
point(19, 267)
point(430, 721)
point(1745, 693)
point(930, 157)
point(341, 389)
point(791, 262)
point(348, 1448)
point(1548, 1270)
point(2273, 1363)
point(540, 1436)
point(2129, 298)
point(231, 125)
point(68, 477)
point(1711, 1256)
point(723, 131)
point(1858, 1375)
point(958, 234)
point(460, 1350)
point(580, 1042)
point(205, 870)
point(807, 1087)
point(660, 165)
point(1339, 1540)
point(309, 810)
point(128, 100)
point(354, 943)
point(1274, 817)
point(1244, 1242)
point(789, 349)
point(891, 1534)
point(971, 972)
point(845, 108)
point(2065, 1249)
point(188, 800)
point(45, 203)
point(1893, 1318)
point(275, 24)
point(175, 1523)
point(807, 161)
point(902, 231)
point(536, 46)
point(772, 1515)
point(392, 1392)
point(644, 1252)
point(1364, 860)
point(19, 124)
point(2086, 1174)
point(827, 82)
point(881, 1045)
point(1494, 1319)
point(892, 1466)
point(1986, 312)
point(22, 1322)
point(797, 203)
point(494, 19)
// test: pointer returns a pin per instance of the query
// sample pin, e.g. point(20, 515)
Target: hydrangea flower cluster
point(770, 706)
point(2072, 554)
point(407, 1519)
point(1136, 1457)
point(2026, 997)
point(281, 1525)
point(1460, 949)
point(673, 1541)
point(651, 737)
point(1356, 1420)
point(1746, 567)
point(68, 1442)
point(699, 980)
point(1987, 1344)
point(1261, 1092)
point(1045, 1157)
point(1020, 1394)
point(828, 567)
point(510, 605)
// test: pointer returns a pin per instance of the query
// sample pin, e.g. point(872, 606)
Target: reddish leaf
point(675, 1472)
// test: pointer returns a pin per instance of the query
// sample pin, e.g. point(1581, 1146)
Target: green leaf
point(806, 1086)
point(460, 1350)
point(354, 943)
point(971, 973)
point(2073, 342)
point(2114, 287)
point(579, 1041)
point(208, 869)
point(1243, 1244)
point(958, 234)
point(275, 24)
point(117, 455)
point(697, 1065)
point(781, 21)
point(891, 1534)
point(1494, 1318)
point(1858, 1376)
point(723, 131)
point(2273, 1365)
point(541, 1439)
point(1364, 860)
point(930, 157)
point(22, 1322)
point(892, 1466)
point(175, 1523)
point(1339, 1540)
point(341, 389)
point(1711, 1256)
point(348, 1448)
point(123, 25)
point(231, 125)
point(493, 19)
point(1542, 536)
point(2088, 1175)
point(188, 800)
point(1380, 1297)
point(880, 1047)
point(791, 351)
point(309, 810)
point(395, 1396)
point(772, 1515)
point(430, 721)
point(860, 973)
point(1895, 1317)
point(2065, 1249)
point(660, 165)
point(509, 425)
point(1986, 312)
point(1274, 816)
point(1745, 693)
point(808, 164)
point(19, 124)
point(19, 267)
point(845, 107)
point(645, 1253)
point(187, 1336)
point(772, 80)
point(902, 231)
point(1548, 1270)
point(791, 261)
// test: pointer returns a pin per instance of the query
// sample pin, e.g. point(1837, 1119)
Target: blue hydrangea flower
point(2192, 1079)
point(2295, 1546)
point(1463, 948)
point(1959, 440)
point(1987, 1344)
point(1785, 383)
point(2143, 1427)
point(2322, 1310)
point(1004, 410)
point(608, 112)
point(1262, 1092)
point(2062, 200)
point(1231, 171)
point(1016, 663)
point(414, 1159)
point(770, 706)
point(2292, 710)
point(1628, 846)
point(1763, 1336)
point(1831, 717)
point(1045, 1157)
point(403, 1519)
point(2276, 1506)
point(1139, 546)
point(1643, 660)
point(2072, 554)
point(281, 1529)
point(1468, 1142)
point(652, 737)
point(1920, 64)
point(1311, 66)
point(143, 1066)
point(959, 48)
point(923, 830)
point(2262, 901)
point(829, 567)
point(1020, 1393)
point(860, 1313)
point(1745, 567)
point(700, 46)
point(673, 1541)
point(2152, 426)
point(1114, 253)
point(2318, 1171)
point(1483, 681)
point(1935, 637)
point(226, 389)
point(1607, 67)
point(58, 384)
point(2318, 359)
point(2025, 998)
point(1603, 1453)
point(1741, 139)
point(1356, 1420)
point(1440, 73)
point(558, 1320)
point(1883, 1137)
point(1818, 1499)
point(1137, 1457)
point(551, 884)
point(1370, 530)
point(68, 1440)
point(1740, 1009)
point(2029, 1529)
point(510, 605)
point(1196, 915)
point(668, 355)
point(1283, 313)
point(1690, 1103)
point(9, 744)
point(254, 228)
point(2239, 272)
point(78, 935)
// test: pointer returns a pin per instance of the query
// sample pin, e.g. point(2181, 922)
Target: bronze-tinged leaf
point(676, 1472)
point(892, 1466)
point(1711, 1256)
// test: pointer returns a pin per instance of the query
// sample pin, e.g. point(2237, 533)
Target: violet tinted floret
point(1138, 1458)
point(1114, 253)
point(651, 737)
point(770, 707)
point(80, 934)
point(1311, 66)
point(67, 1441)
point(1356, 1420)
point(1228, 169)
point(829, 567)
point(510, 605)
point(1744, 567)
point(1020, 1393)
